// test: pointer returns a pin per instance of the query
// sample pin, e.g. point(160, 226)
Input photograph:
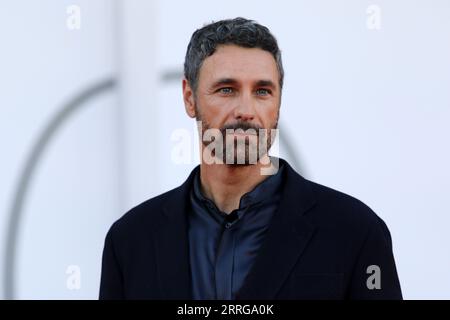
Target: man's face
point(238, 88)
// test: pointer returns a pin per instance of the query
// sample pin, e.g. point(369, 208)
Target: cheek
point(269, 113)
point(214, 109)
point(218, 105)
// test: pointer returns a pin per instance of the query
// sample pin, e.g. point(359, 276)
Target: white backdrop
point(367, 111)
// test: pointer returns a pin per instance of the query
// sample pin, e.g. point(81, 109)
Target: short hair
point(239, 31)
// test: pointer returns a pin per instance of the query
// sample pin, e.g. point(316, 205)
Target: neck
point(226, 184)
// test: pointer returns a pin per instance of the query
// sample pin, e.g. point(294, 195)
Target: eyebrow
point(231, 81)
point(224, 81)
point(265, 83)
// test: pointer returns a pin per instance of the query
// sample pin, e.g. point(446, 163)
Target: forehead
point(242, 64)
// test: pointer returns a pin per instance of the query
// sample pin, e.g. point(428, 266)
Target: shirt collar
point(261, 192)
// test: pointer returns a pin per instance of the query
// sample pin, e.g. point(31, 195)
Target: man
point(245, 225)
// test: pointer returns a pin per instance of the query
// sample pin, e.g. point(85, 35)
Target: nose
point(245, 110)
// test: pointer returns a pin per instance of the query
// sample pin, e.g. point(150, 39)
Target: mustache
point(242, 126)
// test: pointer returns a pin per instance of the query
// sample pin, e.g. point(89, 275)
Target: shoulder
point(143, 217)
point(139, 222)
point(338, 210)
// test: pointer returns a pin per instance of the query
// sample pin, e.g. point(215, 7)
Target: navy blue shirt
point(223, 246)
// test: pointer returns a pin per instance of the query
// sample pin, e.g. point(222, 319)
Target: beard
point(238, 143)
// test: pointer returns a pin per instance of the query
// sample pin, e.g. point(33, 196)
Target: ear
point(188, 98)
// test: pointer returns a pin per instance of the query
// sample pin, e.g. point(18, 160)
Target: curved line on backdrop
point(26, 175)
point(50, 130)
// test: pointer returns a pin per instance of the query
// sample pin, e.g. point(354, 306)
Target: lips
point(242, 134)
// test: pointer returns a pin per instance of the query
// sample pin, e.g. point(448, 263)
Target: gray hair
point(239, 31)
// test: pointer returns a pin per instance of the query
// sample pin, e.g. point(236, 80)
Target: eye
point(226, 90)
point(263, 92)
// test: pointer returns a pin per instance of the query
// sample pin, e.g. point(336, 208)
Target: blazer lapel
point(172, 246)
point(287, 237)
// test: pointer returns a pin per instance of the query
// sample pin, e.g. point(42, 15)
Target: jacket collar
point(287, 237)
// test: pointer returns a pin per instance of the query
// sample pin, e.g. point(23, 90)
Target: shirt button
point(227, 225)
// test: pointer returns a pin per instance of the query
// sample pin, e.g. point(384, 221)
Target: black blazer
point(319, 245)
